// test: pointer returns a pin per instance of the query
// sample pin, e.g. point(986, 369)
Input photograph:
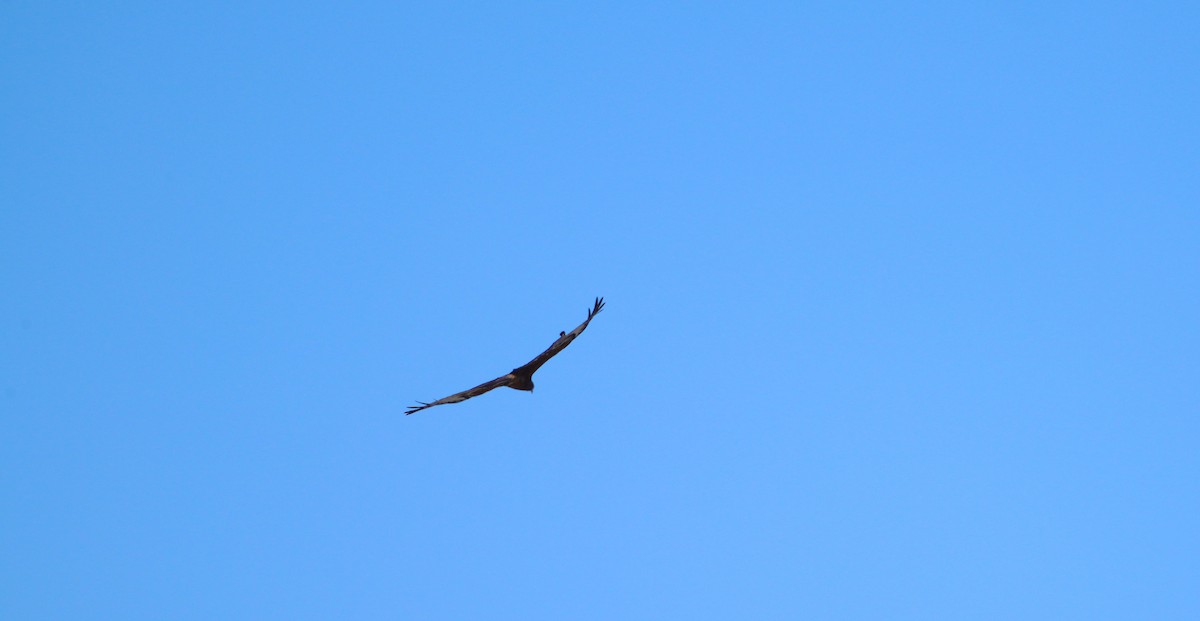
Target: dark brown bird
point(520, 378)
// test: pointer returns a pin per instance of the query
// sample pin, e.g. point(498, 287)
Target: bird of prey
point(520, 378)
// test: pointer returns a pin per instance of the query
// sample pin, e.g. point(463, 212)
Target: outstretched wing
point(561, 344)
point(466, 394)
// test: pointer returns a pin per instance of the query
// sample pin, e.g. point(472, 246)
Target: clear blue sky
point(903, 323)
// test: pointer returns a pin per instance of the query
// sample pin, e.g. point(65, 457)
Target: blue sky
point(902, 310)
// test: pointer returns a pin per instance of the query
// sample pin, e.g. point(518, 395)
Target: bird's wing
point(466, 394)
point(561, 343)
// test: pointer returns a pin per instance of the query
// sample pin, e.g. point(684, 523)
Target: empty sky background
point(903, 310)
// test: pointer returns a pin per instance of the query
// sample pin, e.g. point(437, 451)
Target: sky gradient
point(902, 311)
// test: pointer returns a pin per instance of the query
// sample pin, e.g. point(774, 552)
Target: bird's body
point(520, 378)
point(520, 381)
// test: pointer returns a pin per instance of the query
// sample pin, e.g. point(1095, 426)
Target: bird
point(520, 378)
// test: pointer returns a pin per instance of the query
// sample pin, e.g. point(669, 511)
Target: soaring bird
point(520, 378)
